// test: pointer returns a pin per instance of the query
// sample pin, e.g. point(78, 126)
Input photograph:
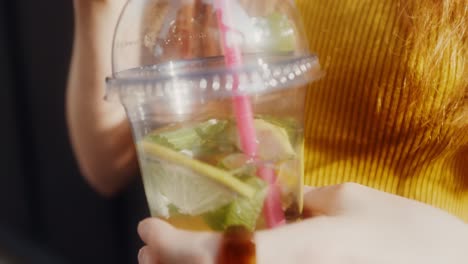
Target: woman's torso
point(392, 111)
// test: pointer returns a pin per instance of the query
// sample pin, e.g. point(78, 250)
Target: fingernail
point(145, 256)
point(142, 256)
point(142, 228)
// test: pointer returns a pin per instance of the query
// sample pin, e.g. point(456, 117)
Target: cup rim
point(164, 80)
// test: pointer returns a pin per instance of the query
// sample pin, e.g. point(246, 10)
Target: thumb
point(172, 245)
point(335, 199)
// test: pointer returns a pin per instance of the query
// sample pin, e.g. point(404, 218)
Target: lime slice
point(158, 203)
point(289, 124)
point(273, 141)
point(234, 161)
point(189, 192)
point(202, 137)
point(238, 164)
point(207, 171)
point(191, 186)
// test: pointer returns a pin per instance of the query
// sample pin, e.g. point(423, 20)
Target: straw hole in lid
point(297, 71)
point(273, 82)
point(216, 83)
point(229, 82)
point(203, 84)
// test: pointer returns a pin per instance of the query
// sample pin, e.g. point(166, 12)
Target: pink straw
point(272, 210)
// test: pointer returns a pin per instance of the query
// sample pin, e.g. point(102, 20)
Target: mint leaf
point(240, 212)
point(214, 139)
point(162, 141)
point(216, 219)
point(183, 138)
point(202, 139)
point(211, 131)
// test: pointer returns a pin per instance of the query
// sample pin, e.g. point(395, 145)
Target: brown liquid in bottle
point(293, 213)
point(237, 247)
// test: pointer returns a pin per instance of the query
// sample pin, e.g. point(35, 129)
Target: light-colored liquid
point(198, 223)
point(188, 222)
point(186, 199)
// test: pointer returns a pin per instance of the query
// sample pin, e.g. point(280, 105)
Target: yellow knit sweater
point(391, 112)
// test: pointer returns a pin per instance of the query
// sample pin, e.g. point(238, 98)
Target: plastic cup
point(196, 173)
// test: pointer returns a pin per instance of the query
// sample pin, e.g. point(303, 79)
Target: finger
point(308, 189)
point(308, 241)
point(335, 199)
point(146, 256)
point(178, 246)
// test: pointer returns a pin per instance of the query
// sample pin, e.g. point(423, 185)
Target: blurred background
point(48, 214)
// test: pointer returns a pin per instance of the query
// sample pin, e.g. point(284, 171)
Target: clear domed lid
point(152, 34)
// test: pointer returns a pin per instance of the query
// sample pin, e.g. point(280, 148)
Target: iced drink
point(196, 172)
